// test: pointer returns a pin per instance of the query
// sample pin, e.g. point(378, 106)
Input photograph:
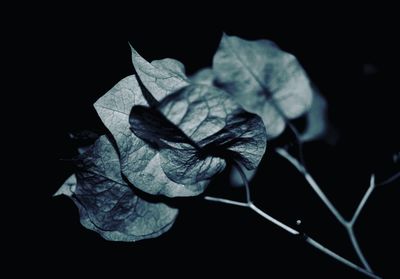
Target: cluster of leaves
point(170, 134)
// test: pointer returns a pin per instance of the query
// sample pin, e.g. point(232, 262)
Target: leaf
point(140, 162)
point(160, 77)
point(317, 121)
point(68, 187)
point(197, 129)
point(236, 179)
point(204, 76)
point(107, 205)
point(264, 80)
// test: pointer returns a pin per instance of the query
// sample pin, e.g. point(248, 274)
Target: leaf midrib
point(270, 97)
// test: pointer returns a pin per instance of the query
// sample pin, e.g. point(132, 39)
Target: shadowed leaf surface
point(107, 205)
point(196, 130)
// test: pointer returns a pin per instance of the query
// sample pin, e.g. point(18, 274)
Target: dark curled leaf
point(107, 205)
point(264, 80)
point(196, 130)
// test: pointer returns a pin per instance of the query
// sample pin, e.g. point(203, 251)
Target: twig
point(298, 141)
point(292, 231)
point(317, 245)
point(273, 220)
point(363, 200)
point(226, 201)
point(312, 183)
point(357, 248)
point(348, 225)
point(249, 204)
point(389, 180)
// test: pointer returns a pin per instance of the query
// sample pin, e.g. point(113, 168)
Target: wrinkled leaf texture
point(197, 129)
point(158, 170)
point(171, 136)
point(107, 204)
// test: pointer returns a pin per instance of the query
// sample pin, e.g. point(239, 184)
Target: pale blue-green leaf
point(161, 77)
point(68, 187)
point(264, 79)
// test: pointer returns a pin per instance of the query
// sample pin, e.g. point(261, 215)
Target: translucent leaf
point(196, 130)
point(236, 179)
point(107, 205)
point(264, 79)
point(317, 122)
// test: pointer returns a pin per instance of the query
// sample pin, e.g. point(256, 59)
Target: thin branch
point(363, 200)
point(299, 143)
point(322, 248)
point(214, 199)
point(357, 248)
point(389, 180)
point(291, 159)
point(312, 183)
point(347, 224)
point(292, 231)
point(273, 220)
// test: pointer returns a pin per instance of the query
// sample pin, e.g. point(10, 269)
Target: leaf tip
point(68, 187)
point(130, 45)
point(134, 53)
point(225, 36)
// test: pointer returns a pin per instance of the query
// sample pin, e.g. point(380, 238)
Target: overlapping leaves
point(197, 129)
point(197, 111)
point(269, 82)
point(107, 204)
point(171, 137)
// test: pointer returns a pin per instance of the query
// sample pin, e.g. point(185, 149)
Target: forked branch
point(249, 204)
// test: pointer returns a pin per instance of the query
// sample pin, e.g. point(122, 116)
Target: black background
point(78, 55)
